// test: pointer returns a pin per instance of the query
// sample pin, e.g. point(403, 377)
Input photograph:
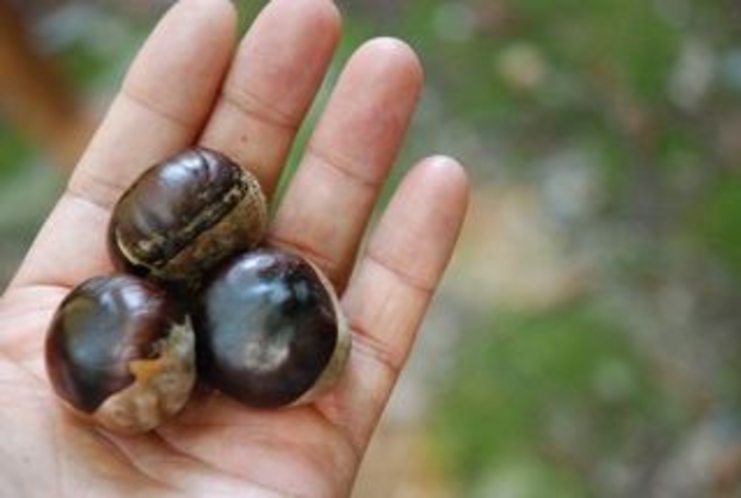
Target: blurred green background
point(587, 338)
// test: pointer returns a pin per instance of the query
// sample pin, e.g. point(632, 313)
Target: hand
point(188, 85)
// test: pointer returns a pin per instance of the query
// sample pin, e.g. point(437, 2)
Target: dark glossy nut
point(185, 215)
point(120, 351)
point(270, 331)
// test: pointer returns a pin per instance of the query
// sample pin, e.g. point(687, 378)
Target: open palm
point(188, 85)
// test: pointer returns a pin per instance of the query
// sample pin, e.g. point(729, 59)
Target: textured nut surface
point(161, 388)
point(185, 215)
point(120, 351)
point(270, 331)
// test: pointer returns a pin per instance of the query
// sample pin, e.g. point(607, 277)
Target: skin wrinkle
point(178, 119)
point(356, 452)
point(276, 437)
point(368, 346)
point(326, 263)
point(329, 470)
point(332, 160)
point(94, 190)
point(158, 440)
point(128, 460)
point(370, 165)
point(365, 347)
point(263, 443)
point(165, 467)
point(251, 105)
point(285, 76)
point(38, 304)
point(96, 434)
point(51, 278)
point(405, 278)
point(345, 407)
point(307, 460)
point(14, 363)
point(190, 456)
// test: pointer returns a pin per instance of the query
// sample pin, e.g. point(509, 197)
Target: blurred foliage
point(719, 222)
point(14, 150)
point(648, 92)
point(563, 390)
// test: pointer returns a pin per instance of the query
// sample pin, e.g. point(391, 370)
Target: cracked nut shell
point(121, 352)
point(184, 216)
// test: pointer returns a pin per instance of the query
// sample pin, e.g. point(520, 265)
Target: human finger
point(275, 75)
point(164, 100)
point(389, 294)
point(331, 197)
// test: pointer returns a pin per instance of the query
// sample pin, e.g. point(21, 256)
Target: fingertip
point(325, 15)
point(393, 54)
point(448, 169)
point(208, 4)
point(330, 13)
point(220, 14)
point(448, 181)
point(420, 228)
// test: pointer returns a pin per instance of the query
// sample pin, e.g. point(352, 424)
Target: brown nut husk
point(270, 330)
point(120, 352)
point(185, 215)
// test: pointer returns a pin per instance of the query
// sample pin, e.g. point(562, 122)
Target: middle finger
point(271, 84)
point(330, 199)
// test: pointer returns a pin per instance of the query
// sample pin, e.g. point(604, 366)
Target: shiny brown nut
point(185, 215)
point(270, 331)
point(121, 352)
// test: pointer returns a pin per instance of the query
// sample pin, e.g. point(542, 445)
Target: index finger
point(161, 107)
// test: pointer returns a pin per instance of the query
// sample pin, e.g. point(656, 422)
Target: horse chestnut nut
point(120, 350)
point(269, 330)
point(185, 215)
